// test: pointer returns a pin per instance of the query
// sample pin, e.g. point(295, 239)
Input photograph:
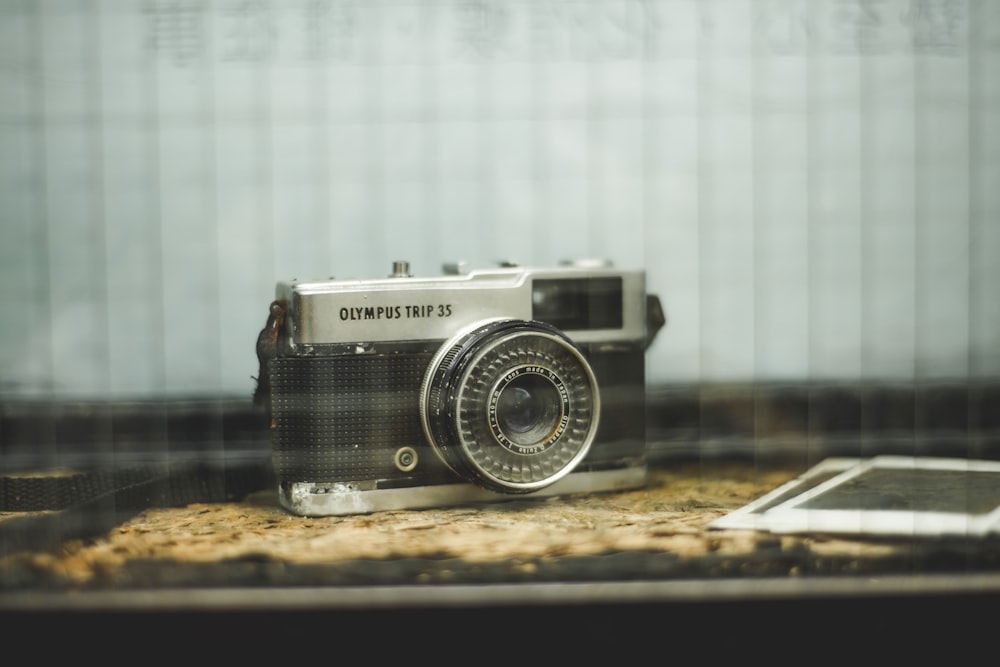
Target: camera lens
point(511, 405)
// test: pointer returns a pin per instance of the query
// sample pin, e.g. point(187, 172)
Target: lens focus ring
point(511, 405)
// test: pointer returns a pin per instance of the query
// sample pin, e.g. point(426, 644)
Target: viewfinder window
point(578, 303)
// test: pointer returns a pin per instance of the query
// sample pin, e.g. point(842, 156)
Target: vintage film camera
point(409, 392)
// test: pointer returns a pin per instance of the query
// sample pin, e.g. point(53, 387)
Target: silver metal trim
point(339, 499)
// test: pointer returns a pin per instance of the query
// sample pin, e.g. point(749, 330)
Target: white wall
point(813, 186)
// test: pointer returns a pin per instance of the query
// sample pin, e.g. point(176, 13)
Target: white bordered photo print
point(895, 496)
point(749, 517)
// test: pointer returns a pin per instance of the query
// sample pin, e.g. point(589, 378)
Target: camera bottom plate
point(342, 498)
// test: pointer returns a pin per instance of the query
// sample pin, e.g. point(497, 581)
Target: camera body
point(409, 392)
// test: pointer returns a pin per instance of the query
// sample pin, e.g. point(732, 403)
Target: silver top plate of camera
point(401, 306)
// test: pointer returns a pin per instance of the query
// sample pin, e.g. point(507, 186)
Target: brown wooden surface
point(669, 516)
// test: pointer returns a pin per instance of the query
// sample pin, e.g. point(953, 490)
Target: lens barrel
point(511, 405)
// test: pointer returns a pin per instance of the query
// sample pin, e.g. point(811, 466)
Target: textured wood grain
point(669, 516)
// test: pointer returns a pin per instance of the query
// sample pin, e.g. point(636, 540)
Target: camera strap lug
point(271, 337)
point(655, 318)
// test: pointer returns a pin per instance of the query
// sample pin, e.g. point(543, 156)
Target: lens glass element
point(528, 409)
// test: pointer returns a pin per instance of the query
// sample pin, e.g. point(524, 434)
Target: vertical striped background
point(813, 186)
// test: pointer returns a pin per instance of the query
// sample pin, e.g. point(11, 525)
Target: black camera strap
point(270, 339)
point(58, 507)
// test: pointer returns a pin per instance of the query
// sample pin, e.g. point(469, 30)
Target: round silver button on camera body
point(405, 459)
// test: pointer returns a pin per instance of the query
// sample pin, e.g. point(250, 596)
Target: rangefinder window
point(575, 304)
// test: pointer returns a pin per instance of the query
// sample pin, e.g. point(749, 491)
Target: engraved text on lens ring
point(553, 436)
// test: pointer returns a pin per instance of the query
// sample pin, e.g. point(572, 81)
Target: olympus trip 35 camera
point(409, 392)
